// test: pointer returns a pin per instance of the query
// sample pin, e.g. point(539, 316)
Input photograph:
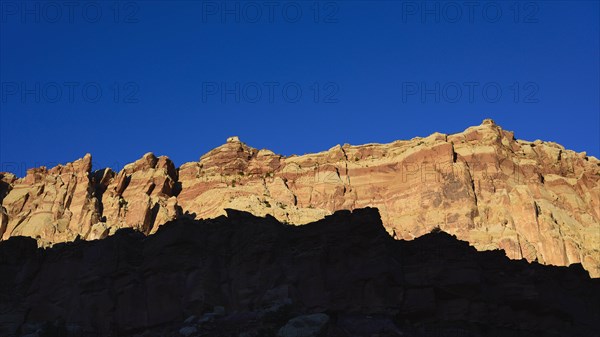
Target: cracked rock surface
point(534, 200)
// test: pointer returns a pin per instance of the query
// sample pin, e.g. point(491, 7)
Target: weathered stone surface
point(141, 196)
point(535, 200)
point(312, 325)
point(53, 205)
point(255, 275)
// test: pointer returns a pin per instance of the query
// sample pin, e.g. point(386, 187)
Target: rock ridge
point(534, 200)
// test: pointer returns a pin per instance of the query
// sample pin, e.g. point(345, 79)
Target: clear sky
point(119, 79)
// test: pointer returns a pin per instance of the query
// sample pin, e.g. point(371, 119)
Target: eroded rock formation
point(535, 200)
point(55, 205)
point(241, 275)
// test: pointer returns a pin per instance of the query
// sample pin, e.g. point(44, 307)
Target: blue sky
point(119, 79)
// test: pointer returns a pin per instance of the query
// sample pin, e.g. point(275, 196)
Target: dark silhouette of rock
point(241, 275)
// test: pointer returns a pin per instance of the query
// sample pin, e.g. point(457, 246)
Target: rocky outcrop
point(241, 275)
point(534, 200)
point(305, 326)
point(141, 196)
point(55, 205)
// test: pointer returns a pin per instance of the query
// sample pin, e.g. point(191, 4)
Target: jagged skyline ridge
point(535, 200)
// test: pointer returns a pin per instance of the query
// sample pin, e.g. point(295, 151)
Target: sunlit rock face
point(535, 200)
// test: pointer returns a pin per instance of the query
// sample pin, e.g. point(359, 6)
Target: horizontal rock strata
point(535, 200)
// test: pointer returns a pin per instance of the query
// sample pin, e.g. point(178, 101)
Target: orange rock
point(536, 200)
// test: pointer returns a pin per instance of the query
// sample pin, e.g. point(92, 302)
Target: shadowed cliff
point(243, 275)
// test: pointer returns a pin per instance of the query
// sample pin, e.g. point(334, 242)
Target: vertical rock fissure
point(454, 154)
point(285, 183)
point(472, 182)
point(346, 166)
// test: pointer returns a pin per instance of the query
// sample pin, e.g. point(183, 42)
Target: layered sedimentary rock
point(141, 195)
point(53, 205)
point(246, 276)
point(535, 200)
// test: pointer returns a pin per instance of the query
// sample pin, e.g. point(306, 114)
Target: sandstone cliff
point(535, 200)
point(245, 276)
